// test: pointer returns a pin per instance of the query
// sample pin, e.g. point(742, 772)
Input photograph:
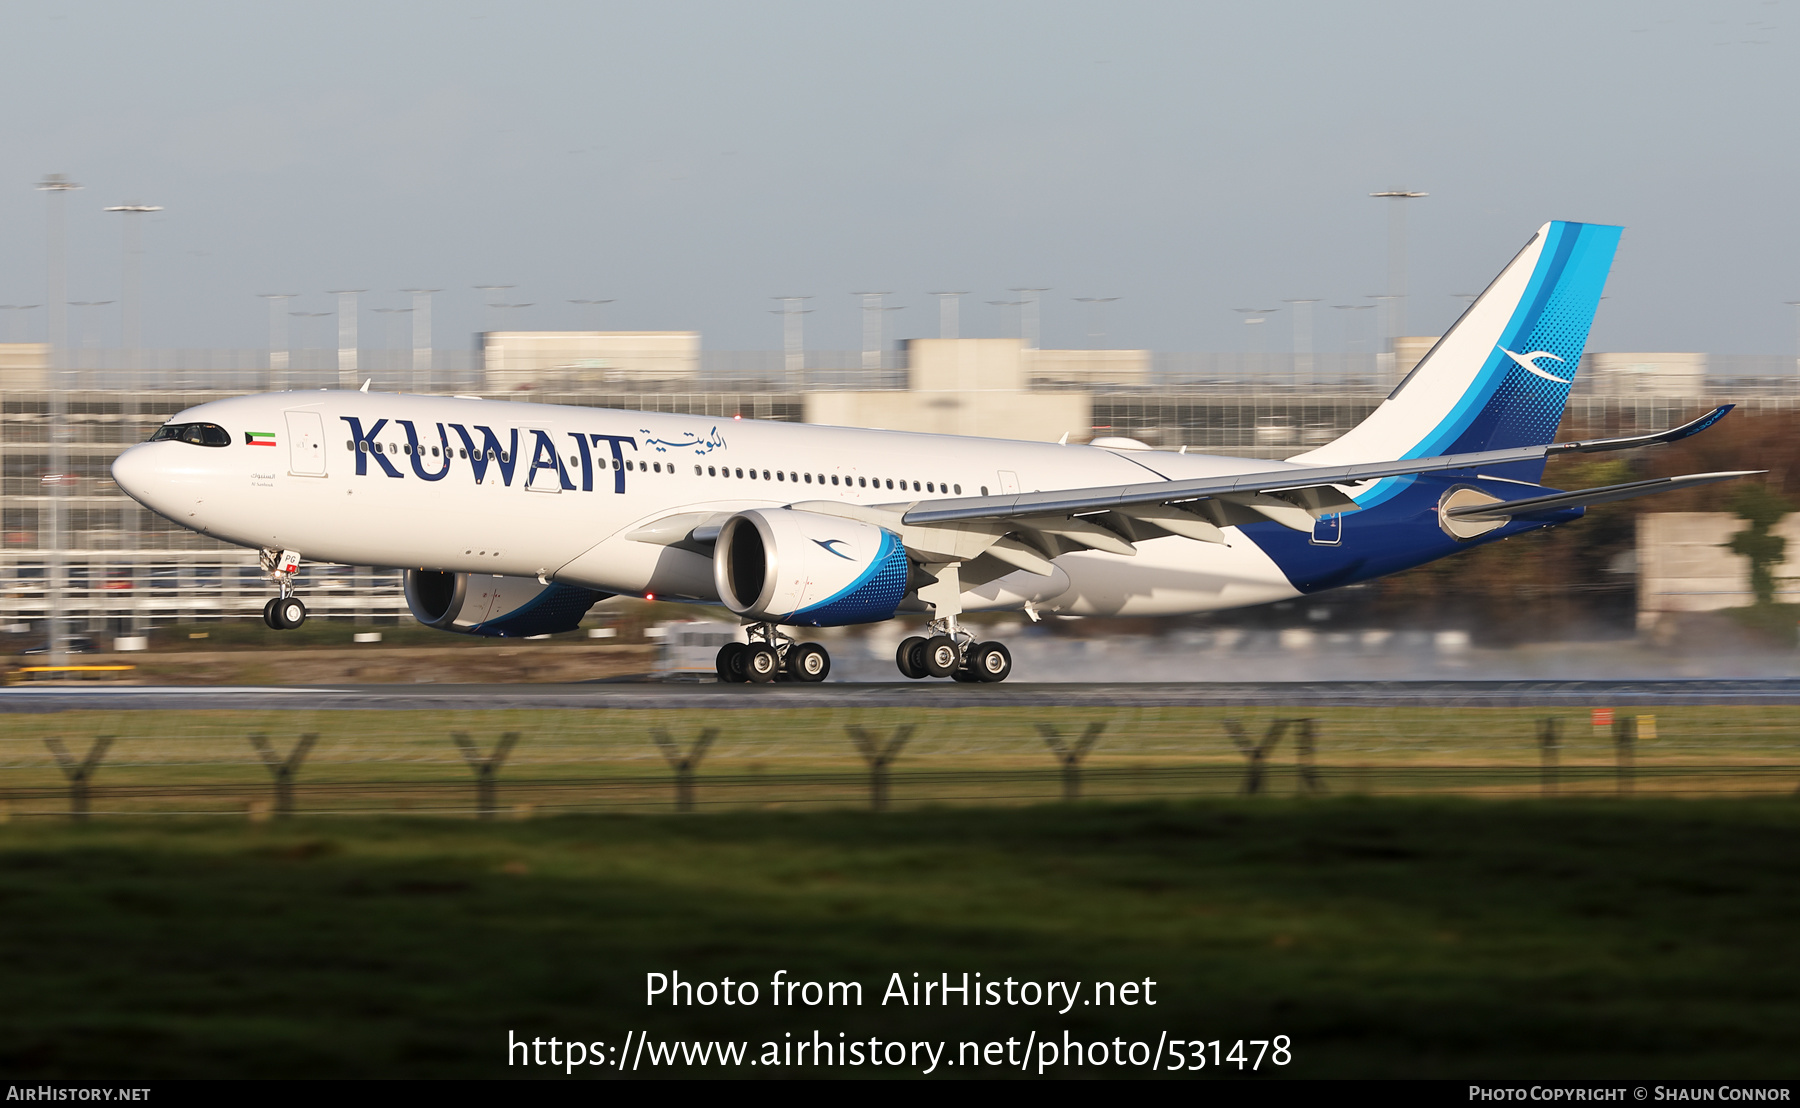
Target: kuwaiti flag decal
point(259, 438)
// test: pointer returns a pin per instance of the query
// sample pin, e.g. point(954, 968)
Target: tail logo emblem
point(1526, 363)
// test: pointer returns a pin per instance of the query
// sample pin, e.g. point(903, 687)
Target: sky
point(690, 161)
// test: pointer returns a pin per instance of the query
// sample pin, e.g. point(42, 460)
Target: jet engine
point(497, 607)
point(807, 569)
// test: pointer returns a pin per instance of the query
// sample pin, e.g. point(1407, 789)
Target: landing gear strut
point(772, 656)
point(286, 611)
point(949, 650)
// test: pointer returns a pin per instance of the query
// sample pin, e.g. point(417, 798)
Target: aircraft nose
point(135, 472)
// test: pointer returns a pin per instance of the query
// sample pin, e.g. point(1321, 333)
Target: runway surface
point(934, 694)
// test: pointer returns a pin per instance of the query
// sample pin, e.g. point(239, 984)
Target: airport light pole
point(14, 328)
point(54, 186)
point(594, 306)
point(1397, 199)
point(421, 334)
point(1020, 318)
point(949, 312)
point(278, 340)
point(1387, 302)
point(487, 317)
point(1254, 318)
point(1028, 315)
point(1096, 308)
point(83, 321)
point(793, 338)
point(1351, 328)
point(1795, 304)
point(392, 338)
point(873, 314)
point(132, 293)
point(347, 343)
point(1302, 326)
point(302, 343)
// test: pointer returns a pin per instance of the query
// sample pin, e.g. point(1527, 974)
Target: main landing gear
point(772, 656)
point(286, 611)
point(952, 652)
point(948, 650)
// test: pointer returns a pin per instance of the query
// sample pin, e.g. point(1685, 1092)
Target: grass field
point(1406, 937)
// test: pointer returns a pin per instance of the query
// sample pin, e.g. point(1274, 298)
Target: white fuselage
point(584, 479)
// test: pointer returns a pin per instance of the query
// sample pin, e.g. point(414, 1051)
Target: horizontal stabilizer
point(1531, 505)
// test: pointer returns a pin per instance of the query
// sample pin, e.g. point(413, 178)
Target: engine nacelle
point(498, 607)
point(812, 570)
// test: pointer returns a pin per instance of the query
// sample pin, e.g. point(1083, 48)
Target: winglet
point(366, 385)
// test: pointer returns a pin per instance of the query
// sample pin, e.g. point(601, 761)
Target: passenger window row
point(808, 478)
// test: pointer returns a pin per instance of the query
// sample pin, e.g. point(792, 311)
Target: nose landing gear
point(286, 611)
point(772, 656)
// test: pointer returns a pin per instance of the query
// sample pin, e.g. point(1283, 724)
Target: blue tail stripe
point(1506, 405)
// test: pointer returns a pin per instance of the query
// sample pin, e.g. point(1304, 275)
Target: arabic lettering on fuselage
point(713, 441)
point(487, 451)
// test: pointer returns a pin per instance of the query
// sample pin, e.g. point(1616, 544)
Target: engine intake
point(808, 569)
point(495, 607)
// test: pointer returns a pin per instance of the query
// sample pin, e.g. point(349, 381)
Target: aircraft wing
point(1307, 490)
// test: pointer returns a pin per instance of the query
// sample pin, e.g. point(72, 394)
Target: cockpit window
point(200, 434)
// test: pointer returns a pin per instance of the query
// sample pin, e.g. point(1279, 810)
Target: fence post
point(1549, 738)
point(1071, 756)
point(1257, 754)
point(1305, 758)
point(684, 764)
point(80, 773)
point(878, 758)
point(284, 769)
point(1625, 747)
point(487, 770)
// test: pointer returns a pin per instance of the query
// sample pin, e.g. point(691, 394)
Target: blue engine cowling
point(806, 569)
point(496, 607)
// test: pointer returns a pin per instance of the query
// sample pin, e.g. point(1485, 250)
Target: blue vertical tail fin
point(1501, 376)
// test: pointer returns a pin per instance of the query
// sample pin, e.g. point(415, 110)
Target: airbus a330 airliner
point(513, 519)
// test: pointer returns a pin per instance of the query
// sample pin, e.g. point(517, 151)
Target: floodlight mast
point(132, 294)
point(54, 185)
point(347, 344)
point(793, 338)
point(278, 342)
point(949, 312)
point(1397, 199)
point(1028, 314)
point(873, 314)
point(421, 334)
point(1096, 320)
point(1795, 304)
point(1302, 327)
